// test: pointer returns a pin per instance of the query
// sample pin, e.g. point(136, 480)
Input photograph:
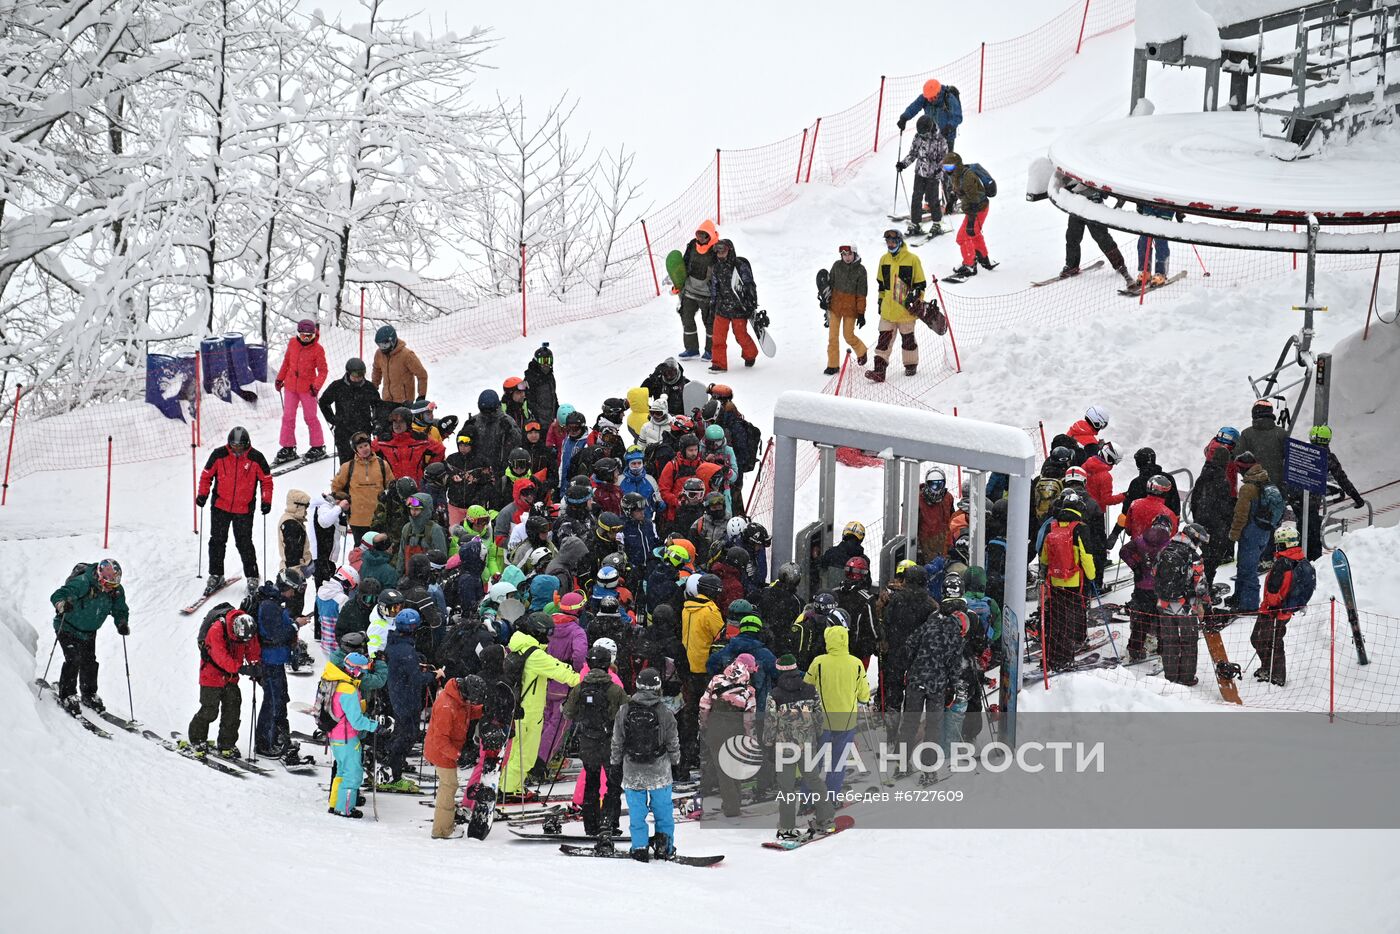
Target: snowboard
point(824, 289)
point(1137, 289)
point(1082, 270)
point(87, 724)
point(229, 582)
point(675, 269)
point(491, 739)
point(297, 464)
point(694, 395)
point(1225, 671)
point(762, 334)
point(844, 822)
point(1341, 567)
point(930, 314)
point(571, 850)
point(545, 837)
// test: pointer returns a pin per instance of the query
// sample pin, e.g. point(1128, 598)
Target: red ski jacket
point(223, 655)
point(1100, 483)
point(235, 478)
point(304, 367)
point(408, 454)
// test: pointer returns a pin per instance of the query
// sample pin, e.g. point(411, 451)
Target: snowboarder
point(972, 194)
point(727, 716)
point(1213, 506)
point(1074, 236)
point(592, 706)
point(90, 595)
point(793, 715)
point(346, 708)
point(935, 651)
point(942, 103)
point(1287, 588)
point(349, 405)
point(228, 648)
point(844, 306)
point(900, 282)
point(733, 301)
point(695, 293)
point(701, 623)
point(458, 706)
point(397, 372)
point(840, 680)
point(493, 433)
point(926, 154)
point(235, 471)
point(646, 742)
point(299, 380)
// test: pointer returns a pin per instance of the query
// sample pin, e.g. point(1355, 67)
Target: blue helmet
point(488, 401)
point(386, 335)
point(1228, 436)
point(407, 621)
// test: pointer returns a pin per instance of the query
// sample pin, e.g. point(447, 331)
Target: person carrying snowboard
point(973, 195)
point(228, 647)
point(93, 593)
point(695, 291)
point(1288, 587)
point(235, 472)
point(299, 380)
point(926, 154)
point(843, 301)
point(646, 743)
point(900, 282)
point(592, 706)
point(458, 706)
point(733, 301)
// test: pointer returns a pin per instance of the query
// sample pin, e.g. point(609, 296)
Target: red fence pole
point(524, 326)
point(811, 154)
point(10, 449)
point(717, 221)
point(801, 151)
point(107, 517)
point(362, 324)
point(981, 76)
point(651, 256)
point(1080, 44)
point(198, 403)
point(194, 480)
point(1295, 252)
point(1332, 666)
point(1044, 451)
point(841, 376)
point(879, 109)
point(957, 361)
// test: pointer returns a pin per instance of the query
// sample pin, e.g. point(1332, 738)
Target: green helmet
point(477, 514)
point(714, 433)
point(1320, 434)
point(739, 609)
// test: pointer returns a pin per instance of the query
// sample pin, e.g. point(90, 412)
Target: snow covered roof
point(912, 433)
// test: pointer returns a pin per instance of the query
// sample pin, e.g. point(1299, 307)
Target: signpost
point(1305, 467)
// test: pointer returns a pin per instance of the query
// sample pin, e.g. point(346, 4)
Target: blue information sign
point(1305, 466)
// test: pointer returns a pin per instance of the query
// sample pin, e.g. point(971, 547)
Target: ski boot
point(71, 704)
point(285, 456)
point(93, 702)
point(914, 230)
point(965, 270)
point(231, 753)
point(790, 836)
point(315, 453)
point(403, 786)
point(1129, 281)
point(642, 854)
point(1158, 280)
point(604, 846)
point(1069, 271)
point(662, 847)
point(214, 583)
point(199, 750)
point(911, 369)
point(355, 813)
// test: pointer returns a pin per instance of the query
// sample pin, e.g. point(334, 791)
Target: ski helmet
point(1109, 453)
point(435, 473)
point(290, 579)
point(607, 576)
point(355, 664)
point(710, 586)
point(607, 526)
point(390, 602)
point(756, 536)
point(649, 679)
point(605, 469)
point(401, 414)
point(1198, 534)
point(1320, 434)
point(537, 626)
point(536, 525)
point(953, 585)
point(464, 437)
point(923, 124)
point(1097, 416)
point(369, 590)
point(1228, 436)
point(1285, 537)
point(1160, 484)
point(715, 506)
point(405, 487)
point(736, 557)
point(839, 617)
point(857, 569)
point(243, 628)
point(571, 603)
point(538, 558)
point(407, 620)
point(720, 391)
point(1262, 408)
point(578, 494)
point(1060, 455)
point(576, 422)
point(355, 367)
point(685, 443)
point(854, 529)
point(599, 658)
point(1077, 475)
point(238, 439)
point(519, 461)
point(488, 400)
point(471, 688)
point(386, 337)
point(736, 526)
point(738, 610)
point(608, 606)
point(676, 556)
point(789, 573)
point(353, 641)
point(1144, 458)
point(633, 501)
point(543, 355)
point(109, 574)
point(824, 602)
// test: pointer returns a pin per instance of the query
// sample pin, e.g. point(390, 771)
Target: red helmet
point(857, 569)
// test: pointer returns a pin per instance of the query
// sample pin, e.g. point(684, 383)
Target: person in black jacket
point(908, 604)
point(416, 596)
point(493, 432)
point(349, 405)
point(1146, 460)
point(1213, 506)
point(832, 564)
point(668, 379)
point(543, 394)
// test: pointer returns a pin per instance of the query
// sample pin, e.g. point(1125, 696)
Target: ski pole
point(898, 177)
point(50, 661)
point(1204, 271)
point(563, 744)
point(1104, 617)
point(252, 756)
point(373, 778)
point(199, 545)
point(126, 660)
point(264, 551)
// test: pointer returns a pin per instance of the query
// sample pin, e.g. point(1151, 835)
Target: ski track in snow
point(167, 845)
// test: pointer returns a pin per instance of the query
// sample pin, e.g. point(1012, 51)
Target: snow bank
point(1165, 20)
point(1365, 407)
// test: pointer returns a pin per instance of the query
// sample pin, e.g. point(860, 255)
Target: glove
point(984, 661)
point(1360, 503)
point(123, 629)
point(860, 321)
point(826, 318)
point(900, 123)
point(252, 671)
point(201, 499)
point(384, 721)
point(901, 166)
point(266, 508)
point(277, 384)
point(60, 607)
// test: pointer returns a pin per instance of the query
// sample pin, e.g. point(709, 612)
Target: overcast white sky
point(675, 80)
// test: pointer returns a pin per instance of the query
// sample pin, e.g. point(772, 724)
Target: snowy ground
point(125, 835)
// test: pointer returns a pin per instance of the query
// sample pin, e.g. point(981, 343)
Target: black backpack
point(593, 721)
point(1173, 575)
point(513, 674)
point(202, 640)
point(641, 737)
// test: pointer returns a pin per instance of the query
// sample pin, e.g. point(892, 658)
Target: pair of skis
point(285, 467)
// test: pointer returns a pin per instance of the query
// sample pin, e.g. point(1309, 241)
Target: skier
point(727, 717)
point(1074, 236)
point(1264, 439)
point(844, 306)
point(968, 189)
point(794, 716)
point(235, 471)
point(1144, 510)
point(293, 544)
point(348, 406)
point(543, 394)
point(942, 103)
point(1140, 554)
point(331, 598)
point(1180, 583)
point(360, 481)
point(228, 648)
point(569, 644)
point(1148, 470)
point(900, 282)
point(409, 680)
point(397, 372)
point(346, 708)
point(90, 595)
point(695, 291)
point(701, 623)
point(669, 380)
point(299, 380)
point(935, 515)
point(1068, 564)
point(1288, 587)
point(1082, 438)
point(530, 637)
point(1227, 439)
point(733, 301)
point(1099, 481)
point(926, 153)
point(840, 680)
point(1258, 512)
point(1213, 506)
point(592, 707)
point(1322, 435)
point(1158, 276)
point(457, 708)
point(646, 742)
point(277, 635)
point(935, 651)
point(857, 596)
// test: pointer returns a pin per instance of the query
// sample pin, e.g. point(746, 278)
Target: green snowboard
point(675, 269)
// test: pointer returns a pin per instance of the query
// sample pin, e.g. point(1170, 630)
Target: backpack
point(1304, 583)
point(989, 184)
point(513, 674)
point(981, 607)
point(1047, 490)
point(1268, 507)
point(1173, 575)
point(746, 441)
point(202, 640)
point(593, 721)
point(641, 733)
point(1059, 551)
point(321, 707)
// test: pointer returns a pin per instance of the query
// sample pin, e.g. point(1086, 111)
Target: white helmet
point(538, 557)
point(608, 644)
point(736, 526)
point(1097, 416)
point(499, 591)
